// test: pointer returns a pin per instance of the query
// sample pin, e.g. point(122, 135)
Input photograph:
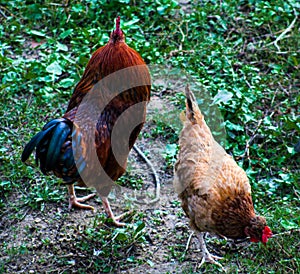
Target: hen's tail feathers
point(48, 144)
point(193, 113)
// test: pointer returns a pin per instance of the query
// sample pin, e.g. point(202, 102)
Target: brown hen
point(215, 192)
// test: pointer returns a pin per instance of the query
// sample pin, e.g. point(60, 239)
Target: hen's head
point(117, 35)
point(258, 231)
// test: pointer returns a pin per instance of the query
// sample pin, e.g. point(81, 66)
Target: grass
point(242, 56)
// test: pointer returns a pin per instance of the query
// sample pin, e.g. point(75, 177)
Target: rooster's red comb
point(118, 30)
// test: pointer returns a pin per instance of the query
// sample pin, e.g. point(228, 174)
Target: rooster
point(62, 146)
point(215, 192)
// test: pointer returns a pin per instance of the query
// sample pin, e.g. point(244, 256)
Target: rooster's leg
point(76, 202)
point(110, 214)
point(206, 256)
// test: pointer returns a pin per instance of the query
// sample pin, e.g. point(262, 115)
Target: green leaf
point(130, 259)
point(248, 117)
point(37, 33)
point(290, 149)
point(161, 10)
point(131, 22)
point(140, 227)
point(285, 176)
point(65, 83)
point(66, 33)
point(232, 126)
point(61, 47)
point(237, 92)
point(223, 96)
point(288, 224)
point(149, 262)
point(121, 237)
point(171, 149)
point(54, 68)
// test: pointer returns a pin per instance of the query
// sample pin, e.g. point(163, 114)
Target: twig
point(156, 178)
point(296, 194)
point(72, 255)
point(282, 35)
point(2, 7)
point(181, 32)
point(283, 52)
point(60, 5)
point(188, 242)
point(249, 141)
point(273, 98)
point(173, 52)
point(286, 232)
point(248, 84)
point(68, 19)
point(3, 14)
point(286, 92)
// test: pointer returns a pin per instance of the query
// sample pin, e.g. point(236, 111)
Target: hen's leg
point(76, 202)
point(206, 256)
point(110, 214)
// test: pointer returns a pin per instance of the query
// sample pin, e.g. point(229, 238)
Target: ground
point(244, 55)
point(56, 240)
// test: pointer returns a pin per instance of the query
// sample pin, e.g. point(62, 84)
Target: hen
point(115, 81)
point(214, 191)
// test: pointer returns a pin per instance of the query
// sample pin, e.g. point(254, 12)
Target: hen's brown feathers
point(215, 191)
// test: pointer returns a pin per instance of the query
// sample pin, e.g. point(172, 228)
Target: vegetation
point(242, 57)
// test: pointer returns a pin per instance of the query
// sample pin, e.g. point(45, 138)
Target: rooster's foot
point(110, 214)
point(75, 202)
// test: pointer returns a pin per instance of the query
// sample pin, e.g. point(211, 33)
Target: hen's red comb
point(267, 231)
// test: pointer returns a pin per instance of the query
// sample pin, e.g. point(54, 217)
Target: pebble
point(37, 220)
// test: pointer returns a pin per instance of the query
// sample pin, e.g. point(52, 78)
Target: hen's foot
point(209, 258)
point(75, 202)
point(206, 256)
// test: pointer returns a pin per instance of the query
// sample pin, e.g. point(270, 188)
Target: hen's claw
point(206, 256)
point(209, 258)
